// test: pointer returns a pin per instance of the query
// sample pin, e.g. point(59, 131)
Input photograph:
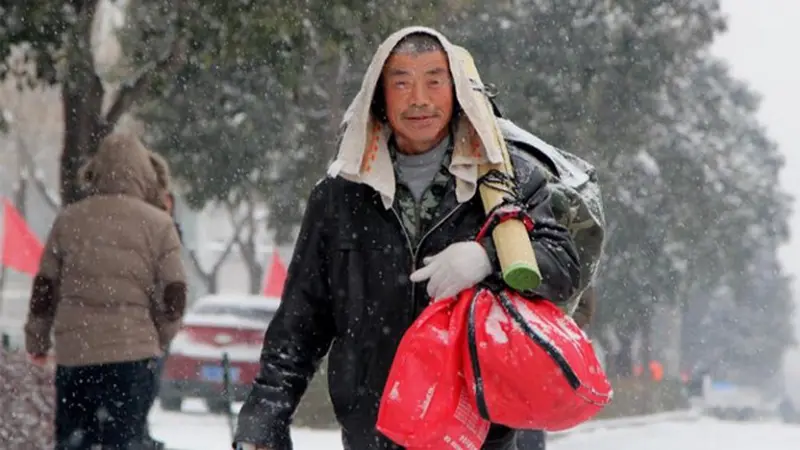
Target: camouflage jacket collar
point(418, 217)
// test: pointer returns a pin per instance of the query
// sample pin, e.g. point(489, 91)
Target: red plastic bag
point(425, 404)
point(484, 357)
point(529, 366)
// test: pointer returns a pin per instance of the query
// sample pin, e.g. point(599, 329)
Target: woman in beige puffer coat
point(104, 259)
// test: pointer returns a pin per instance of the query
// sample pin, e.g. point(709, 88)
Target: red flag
point(21, 249)
point(273, 285)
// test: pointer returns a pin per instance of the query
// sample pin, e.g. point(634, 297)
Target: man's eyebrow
point(437, 71)
point(393, 71)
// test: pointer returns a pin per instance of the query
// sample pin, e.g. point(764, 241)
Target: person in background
point(167, 197)
point(104, 258)
point(167, 202)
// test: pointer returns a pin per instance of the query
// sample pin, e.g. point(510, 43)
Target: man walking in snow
point(390, 228)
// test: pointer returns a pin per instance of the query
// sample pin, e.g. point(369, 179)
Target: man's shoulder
point(523, 157)
point(329, 190)
point(327, 186)
point(331, 185)
point(528, 168)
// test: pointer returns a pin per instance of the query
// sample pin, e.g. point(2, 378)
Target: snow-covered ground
point(700, 435)
point(194, 429)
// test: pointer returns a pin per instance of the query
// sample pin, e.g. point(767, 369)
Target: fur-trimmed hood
point(123, 166)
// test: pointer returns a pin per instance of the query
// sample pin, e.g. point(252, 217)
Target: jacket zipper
point(414, 251)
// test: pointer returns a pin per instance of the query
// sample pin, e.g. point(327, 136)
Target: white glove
point(460, 266)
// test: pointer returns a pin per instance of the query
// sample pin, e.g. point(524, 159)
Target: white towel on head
point(363, 154)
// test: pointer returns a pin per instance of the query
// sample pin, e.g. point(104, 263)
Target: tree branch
point(131, 90)
point(199, 267)
point(229, 245)
point(29, 162)
point(247, 244)
point(231, 206)
point(207, 275)
point(49, 196)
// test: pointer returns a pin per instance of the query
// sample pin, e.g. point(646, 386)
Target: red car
point(213, 326)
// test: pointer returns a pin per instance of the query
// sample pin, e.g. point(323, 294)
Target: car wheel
point(171, 403)
point(217, 406)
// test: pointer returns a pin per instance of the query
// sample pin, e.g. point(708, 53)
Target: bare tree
point(210, 276)
point(247, 238)
point(240, 241)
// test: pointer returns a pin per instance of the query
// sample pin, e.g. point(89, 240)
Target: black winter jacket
point(348, 293)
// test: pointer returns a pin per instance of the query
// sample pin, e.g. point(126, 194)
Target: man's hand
point(458, 267)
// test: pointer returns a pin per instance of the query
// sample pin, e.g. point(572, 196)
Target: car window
point(237, 311)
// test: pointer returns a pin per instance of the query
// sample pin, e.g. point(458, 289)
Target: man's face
point(419, 99)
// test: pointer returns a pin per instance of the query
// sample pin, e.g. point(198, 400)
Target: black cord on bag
point(512, 205)
point(500, 181)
